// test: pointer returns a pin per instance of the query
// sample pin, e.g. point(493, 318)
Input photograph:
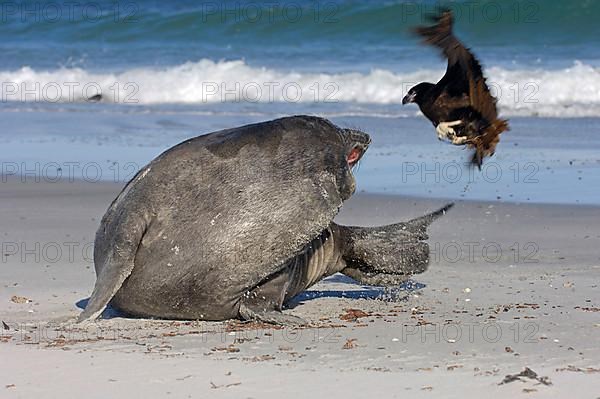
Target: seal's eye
point(354, 156)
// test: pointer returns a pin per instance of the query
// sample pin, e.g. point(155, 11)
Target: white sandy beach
point(509, 286)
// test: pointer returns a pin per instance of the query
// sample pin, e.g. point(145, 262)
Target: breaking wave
point(569, 92)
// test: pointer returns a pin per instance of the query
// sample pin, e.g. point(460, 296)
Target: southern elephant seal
point(234, 223)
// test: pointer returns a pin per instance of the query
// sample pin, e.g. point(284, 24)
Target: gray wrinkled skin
point(234, 223)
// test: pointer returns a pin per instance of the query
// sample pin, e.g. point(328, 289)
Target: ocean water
point(172, 70)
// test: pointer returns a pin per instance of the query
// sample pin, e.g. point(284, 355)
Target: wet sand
point(509, 286)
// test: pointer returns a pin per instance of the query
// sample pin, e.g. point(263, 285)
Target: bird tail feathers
point(485, 144)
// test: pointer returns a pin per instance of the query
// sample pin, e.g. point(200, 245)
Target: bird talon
point(459, 140)
point(445, 130)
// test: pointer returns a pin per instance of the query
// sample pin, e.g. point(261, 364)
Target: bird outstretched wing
point(464, 75)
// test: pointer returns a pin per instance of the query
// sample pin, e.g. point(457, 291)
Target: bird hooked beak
point(409, 98)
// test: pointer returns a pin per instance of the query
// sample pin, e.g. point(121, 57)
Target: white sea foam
point(570, 92)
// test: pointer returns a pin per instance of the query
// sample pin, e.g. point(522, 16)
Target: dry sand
point(509, 286)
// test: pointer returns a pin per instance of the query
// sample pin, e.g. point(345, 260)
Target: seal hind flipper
point(115, 267)
point(108, 283)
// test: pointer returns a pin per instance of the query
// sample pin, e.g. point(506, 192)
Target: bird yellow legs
point(445, 130)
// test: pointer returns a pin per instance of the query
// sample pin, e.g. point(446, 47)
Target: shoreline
point(12, 180)
point(535, 161)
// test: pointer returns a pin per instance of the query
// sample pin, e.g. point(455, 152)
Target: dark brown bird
point(460, 105)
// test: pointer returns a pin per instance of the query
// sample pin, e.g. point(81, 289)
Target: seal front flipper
point(114, 264)
point(388, 255)
point(264, 302)
point(270, 316)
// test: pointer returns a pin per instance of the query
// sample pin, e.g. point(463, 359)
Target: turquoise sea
point(168, 71)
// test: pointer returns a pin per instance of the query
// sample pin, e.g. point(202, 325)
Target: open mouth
point(355, 155)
